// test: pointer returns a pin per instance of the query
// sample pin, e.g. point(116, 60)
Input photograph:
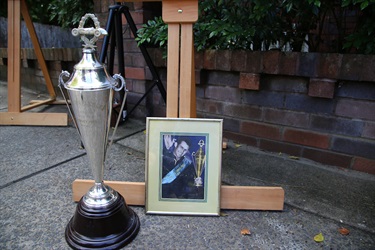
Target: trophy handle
point(62, 83)
point(123, 85)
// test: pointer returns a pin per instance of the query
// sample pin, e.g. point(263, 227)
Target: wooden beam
point(33, 119)
point(180, 11)
point(14, 55)
point(173, 65)
point(37, 49)
point(37, 104)
point(187, 79)
point(232, 197)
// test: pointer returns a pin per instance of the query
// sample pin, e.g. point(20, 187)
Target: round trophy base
point(110, 227)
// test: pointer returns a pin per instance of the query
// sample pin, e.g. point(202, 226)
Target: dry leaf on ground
point(319, 237)
point(245, 231)
point(294, 157)
point(344, 231)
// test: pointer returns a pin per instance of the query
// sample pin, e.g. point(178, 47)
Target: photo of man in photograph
point(178, 171)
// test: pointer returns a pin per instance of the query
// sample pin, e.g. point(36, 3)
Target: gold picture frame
point(183, 166)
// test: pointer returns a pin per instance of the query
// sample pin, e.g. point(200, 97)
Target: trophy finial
point(94, 32)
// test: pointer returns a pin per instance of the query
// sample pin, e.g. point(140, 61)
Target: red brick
point(369, 130)
point(242, 111)
point(327, 157)
point(138, 5)
point(223, 59)
point(209, 59)
point(135, 73)
point(137, 60)
point(209, 106)
point(198, 60)
point(253, 62)
point(238, 60)
point(322, 87)
point(197, 76)
point(249, 81)
point(351, 67)
point(368, 73)
point(137, 17)
point(329, 65)
point(306, 138)
point(232, 125)
point(270, 61)
point(260, 130)
point(288, 63)
point(221, 93)
point(364, 165)
point(129, 84)
point(356, 109)
point(104, 5)
point(248, 140)
point(277, 146)
point(288, 118)
point(139, 86)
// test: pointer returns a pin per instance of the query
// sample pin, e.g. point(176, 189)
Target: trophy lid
point(89, 73)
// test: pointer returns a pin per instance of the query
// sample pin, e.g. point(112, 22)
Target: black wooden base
point(111, 227)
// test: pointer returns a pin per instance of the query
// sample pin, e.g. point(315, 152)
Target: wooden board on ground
point(232, 197)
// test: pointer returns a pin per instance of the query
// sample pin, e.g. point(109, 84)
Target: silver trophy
point(199, 161)
point(102, 219)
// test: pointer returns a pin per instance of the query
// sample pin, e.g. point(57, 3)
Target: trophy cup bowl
point(102, 219)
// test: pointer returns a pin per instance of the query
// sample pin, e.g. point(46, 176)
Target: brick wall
point(311, 105)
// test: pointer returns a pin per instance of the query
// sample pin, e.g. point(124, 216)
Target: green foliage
point(68, 13)
point(363, 39)
point(246, 24)
point(147, 34)
point(65, 13)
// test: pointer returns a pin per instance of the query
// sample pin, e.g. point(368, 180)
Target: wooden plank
point(180, 11)
point(38, 51)
point(33, 119)
point(193, 102)
point(251, 197)
point(186, 70)
point(55, 102)
point(173, 64)
point(37, 104)
point(232, 197)
point(14, 55)
point(133, 192)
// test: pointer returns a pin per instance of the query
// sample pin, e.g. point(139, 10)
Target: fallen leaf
point(245, 231)
point(319, 237)
point(344, 231)
point(293, 157)
point(238, 145)
point(223, 214)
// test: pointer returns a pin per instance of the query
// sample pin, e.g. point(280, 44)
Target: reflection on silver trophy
point(199, 161)
point(102, 218)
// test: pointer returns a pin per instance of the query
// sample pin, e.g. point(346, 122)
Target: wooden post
point(14, 116)
point(181, 97)
point(180, 17)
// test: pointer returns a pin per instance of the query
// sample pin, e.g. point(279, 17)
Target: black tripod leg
point(108, 28)
point(145, 54)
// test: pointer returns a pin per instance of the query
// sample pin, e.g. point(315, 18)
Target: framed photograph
point(183, 166)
